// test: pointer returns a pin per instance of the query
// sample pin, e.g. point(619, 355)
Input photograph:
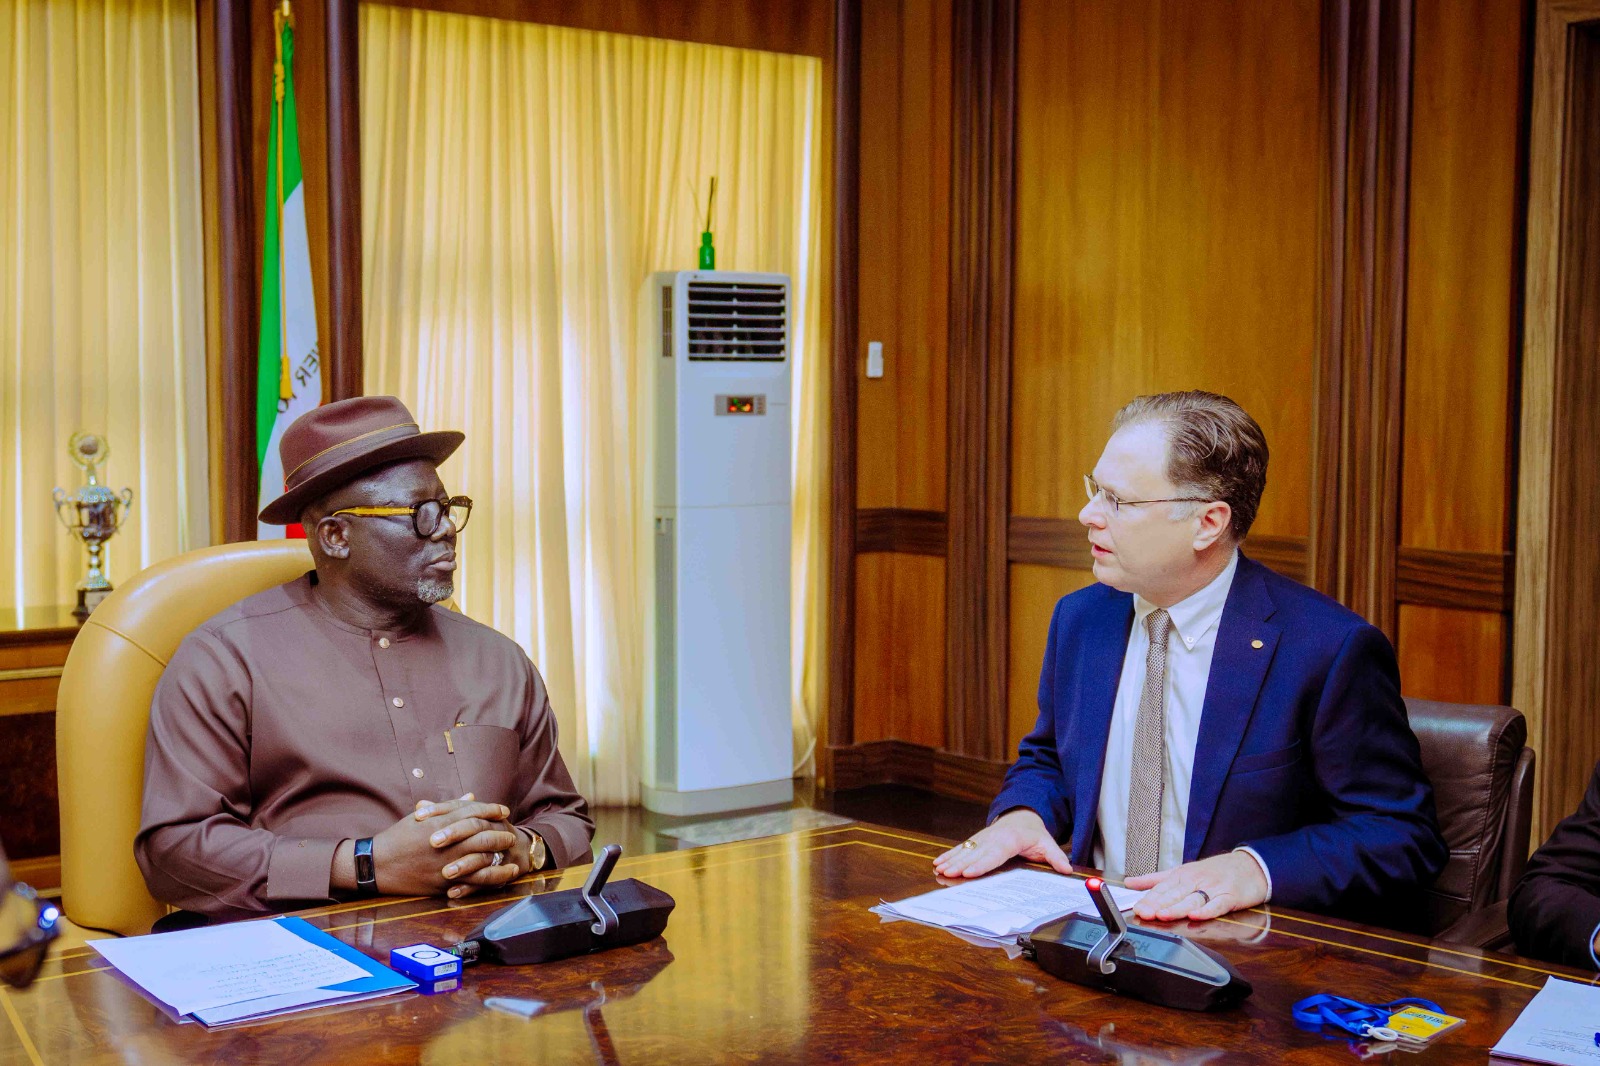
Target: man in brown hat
point(344, 735)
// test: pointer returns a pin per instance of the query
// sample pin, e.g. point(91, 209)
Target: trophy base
point(88, 600)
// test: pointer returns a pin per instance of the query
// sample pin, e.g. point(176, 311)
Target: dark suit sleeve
point(1036, 779)
point(1556, 906)
point(1379, 836)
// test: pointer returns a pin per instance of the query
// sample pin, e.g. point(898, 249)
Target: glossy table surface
point(773, 956)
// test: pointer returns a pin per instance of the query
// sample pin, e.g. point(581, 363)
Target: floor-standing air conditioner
point(717, 721)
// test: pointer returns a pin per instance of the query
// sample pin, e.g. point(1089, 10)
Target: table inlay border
point(662, 866)
point(20, 1029)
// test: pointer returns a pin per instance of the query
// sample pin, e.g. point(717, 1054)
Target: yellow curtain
point(519, 183)
point(101, 280)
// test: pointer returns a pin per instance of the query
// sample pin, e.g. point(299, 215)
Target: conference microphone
point(575, 921)
point(1147, 964)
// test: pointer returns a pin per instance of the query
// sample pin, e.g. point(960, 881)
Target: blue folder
point(380, 981)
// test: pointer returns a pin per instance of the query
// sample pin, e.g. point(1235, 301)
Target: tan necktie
point(1149, 754)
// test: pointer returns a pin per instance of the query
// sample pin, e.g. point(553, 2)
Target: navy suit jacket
point(1304, 751)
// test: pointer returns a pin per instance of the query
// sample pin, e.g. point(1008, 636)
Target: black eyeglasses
point(1093, 489)
point(27, 925)
point(425, 516)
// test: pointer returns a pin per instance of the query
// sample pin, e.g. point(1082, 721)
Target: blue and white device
point(718, 726)
point(425, 963)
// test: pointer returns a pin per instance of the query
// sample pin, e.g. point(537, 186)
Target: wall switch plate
point(874, 359)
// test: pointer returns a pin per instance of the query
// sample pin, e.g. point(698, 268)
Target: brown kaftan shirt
point(279, 730)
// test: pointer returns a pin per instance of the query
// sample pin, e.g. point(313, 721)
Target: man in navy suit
point(1208, 729)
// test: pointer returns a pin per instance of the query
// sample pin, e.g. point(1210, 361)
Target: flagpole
point(280, 19)
point(287, 370)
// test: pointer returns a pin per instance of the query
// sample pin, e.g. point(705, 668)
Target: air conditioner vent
point(733, 321)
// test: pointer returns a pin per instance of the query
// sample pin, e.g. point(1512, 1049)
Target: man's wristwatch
point(538, 853)
point(366, 870)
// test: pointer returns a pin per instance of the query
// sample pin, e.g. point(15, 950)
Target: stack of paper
point(248, 970)
point(1002, 906)
point(1560, 1026)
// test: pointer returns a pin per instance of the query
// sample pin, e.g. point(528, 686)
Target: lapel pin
point(1255, 644)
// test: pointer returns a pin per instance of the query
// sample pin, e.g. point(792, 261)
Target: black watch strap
point(366, 870)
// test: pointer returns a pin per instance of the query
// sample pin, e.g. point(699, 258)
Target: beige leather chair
point(1482, 772)
point(103, 712)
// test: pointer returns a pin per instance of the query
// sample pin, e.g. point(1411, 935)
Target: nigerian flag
point(289, 375)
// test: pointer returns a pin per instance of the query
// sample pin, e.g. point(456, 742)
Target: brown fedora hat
point(337, 442)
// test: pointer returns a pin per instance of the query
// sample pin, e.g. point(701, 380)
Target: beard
point(432, 592)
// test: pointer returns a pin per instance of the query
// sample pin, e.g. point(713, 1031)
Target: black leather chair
point(1482, 772)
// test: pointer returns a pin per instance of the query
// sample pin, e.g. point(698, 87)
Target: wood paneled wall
point(236, 63)
point(1575, 677)
point(904, 257)
point(1463, 331)
point(1313, 206)
point(1557, 670)
point(903, 277)
point(1167, 231)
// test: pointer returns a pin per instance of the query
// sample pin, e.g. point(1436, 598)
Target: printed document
point(198, 969)
point(1001, 906)
point(1560, 1025)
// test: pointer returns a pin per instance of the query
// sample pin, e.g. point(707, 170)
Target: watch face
point(366, 873)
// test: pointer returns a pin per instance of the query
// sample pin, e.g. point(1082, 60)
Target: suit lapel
point(1238, 669)
point(1104, 648)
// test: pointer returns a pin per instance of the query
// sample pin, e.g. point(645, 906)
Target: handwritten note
point(197, 969)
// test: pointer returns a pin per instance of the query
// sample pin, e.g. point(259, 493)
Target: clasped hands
point(1198, 891)
point(447, 847)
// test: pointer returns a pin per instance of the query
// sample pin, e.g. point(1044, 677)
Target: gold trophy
point(92, 515)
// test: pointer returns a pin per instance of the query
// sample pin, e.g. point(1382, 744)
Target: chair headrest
point(162, 604)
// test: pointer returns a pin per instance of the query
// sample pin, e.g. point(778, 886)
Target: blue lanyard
point(1355, 1018)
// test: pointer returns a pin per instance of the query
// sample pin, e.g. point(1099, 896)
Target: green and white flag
point(289, 375)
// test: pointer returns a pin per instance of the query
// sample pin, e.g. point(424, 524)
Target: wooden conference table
point(773, 956)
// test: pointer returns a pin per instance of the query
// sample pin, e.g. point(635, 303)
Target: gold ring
point(968, 844)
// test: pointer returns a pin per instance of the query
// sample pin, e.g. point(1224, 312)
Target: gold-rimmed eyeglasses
point(1092, 488)
point(426, 516)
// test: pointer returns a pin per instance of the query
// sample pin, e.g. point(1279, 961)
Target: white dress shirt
point(1189, 648)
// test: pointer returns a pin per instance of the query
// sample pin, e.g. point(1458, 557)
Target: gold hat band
point(346, 443)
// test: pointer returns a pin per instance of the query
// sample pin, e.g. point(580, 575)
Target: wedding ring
point(1205, 897)
point(499, 857)
point(968, 844)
